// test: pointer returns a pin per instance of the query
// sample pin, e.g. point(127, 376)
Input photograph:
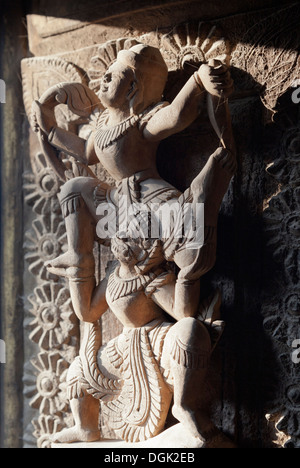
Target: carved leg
point(76, 199)
point(211, 184)
point(85, 411)
point(188, 345)
point(209, 188)
point(187, 351)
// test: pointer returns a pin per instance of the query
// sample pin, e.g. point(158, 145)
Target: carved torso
point(128, 300)
point(122, 149)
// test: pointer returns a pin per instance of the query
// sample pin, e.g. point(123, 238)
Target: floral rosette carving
point(281, 310)
point(49, 395)
point(46, 388)
point(282, 225)
point(45, 427)
point(45, 241)
point(41, 188)
point(54, 322)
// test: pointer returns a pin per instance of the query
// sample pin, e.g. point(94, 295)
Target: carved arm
point(178, 115)
point(88, 300)
point(81, 101)
point(212, 79)
point(81, 149)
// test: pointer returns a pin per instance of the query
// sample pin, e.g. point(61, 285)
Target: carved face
point(117, 86)
point(144, 255)
point(126, 250)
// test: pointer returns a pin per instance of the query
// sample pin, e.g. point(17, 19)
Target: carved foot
point(202, 428)
point(188, 419)
point(75, 434)
point(72, 265)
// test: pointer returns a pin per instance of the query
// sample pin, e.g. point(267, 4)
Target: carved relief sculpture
point(153, 285)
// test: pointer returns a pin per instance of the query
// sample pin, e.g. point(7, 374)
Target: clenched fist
point(42, 118)
point(216, 79)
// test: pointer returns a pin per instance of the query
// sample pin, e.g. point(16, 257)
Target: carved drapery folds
point(265, 67)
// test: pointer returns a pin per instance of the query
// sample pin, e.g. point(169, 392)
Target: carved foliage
point(140, 409)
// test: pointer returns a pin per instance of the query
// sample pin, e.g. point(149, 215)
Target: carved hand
point(42, 118)
point(216, 79)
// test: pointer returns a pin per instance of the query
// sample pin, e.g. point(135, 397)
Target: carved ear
point(133, 90)
point(135, 97)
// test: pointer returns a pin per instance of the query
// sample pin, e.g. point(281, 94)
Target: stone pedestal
point(175, 437)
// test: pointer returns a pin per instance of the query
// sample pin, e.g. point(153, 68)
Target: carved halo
point(194, 43)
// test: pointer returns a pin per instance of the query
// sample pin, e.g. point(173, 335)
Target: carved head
point(142, 254)
point(117, 86)
point(138, 77)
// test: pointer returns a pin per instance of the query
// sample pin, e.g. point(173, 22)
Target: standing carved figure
point(135, 375)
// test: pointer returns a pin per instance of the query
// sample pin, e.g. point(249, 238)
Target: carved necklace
point(108, 136)
point(118, 287)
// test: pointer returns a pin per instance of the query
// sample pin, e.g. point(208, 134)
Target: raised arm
point(44, 123)
point(178, 115)
point(82, 102)
point(213, 78)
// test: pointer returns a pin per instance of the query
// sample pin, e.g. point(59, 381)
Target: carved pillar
point(257, 265)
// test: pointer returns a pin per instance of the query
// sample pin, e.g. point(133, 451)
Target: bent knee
point(191, 334)
point(191, 330)
point(79, 185)
point(200, 262)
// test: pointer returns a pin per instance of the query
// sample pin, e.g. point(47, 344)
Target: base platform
point(175, 437)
